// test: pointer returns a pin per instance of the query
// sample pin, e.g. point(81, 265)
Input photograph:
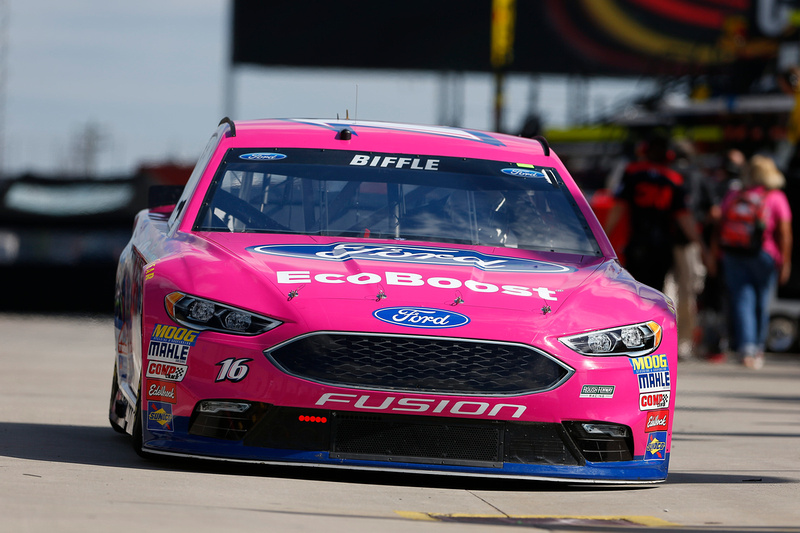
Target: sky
point(150, 81)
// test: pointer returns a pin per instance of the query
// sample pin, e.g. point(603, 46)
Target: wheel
point(781, 333)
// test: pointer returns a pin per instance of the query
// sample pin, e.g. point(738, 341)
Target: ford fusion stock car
point(370, 295)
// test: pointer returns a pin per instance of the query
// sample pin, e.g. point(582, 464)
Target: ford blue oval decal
point(422, 255)
point(524, 173)
point(262, 156)
point(421, 317)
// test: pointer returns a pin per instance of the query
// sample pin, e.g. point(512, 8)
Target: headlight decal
point(632, 341)
point(207, 315)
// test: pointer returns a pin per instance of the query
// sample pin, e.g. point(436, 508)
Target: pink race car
point(369, 295)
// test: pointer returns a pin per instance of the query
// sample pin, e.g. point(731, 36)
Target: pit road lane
point(735, 462)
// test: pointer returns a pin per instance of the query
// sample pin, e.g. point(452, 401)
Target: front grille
point(419, 364)
point(413, 439)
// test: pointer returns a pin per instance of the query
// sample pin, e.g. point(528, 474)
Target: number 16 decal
point(233, 369)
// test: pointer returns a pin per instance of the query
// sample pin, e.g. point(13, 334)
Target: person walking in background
point(712, 306)
point(686, 279)
point(654, 197)
point(755, 238)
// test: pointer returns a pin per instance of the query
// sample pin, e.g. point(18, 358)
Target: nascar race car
point(370, 295)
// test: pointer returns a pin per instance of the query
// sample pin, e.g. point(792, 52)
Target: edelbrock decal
point(421, 317)
point(657, 420)
point(410, 254)
point(262, 156)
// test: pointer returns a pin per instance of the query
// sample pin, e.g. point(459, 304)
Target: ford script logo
point(524, 173)
point(262, 156)
point(422, 255)
point(421, 317)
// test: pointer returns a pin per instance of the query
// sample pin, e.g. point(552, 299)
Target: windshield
point(394, 196)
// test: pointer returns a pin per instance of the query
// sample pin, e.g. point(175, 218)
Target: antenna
point(355, 118)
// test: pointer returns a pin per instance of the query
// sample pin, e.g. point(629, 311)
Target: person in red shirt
point(653, 196)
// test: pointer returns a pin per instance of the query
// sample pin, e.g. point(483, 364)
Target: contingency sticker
point(657, 421)
point(656, 446)
point(159, 416)
point(597, 391)
point(167, 371)
point(650, 401)
point(171, 343)
point(652, 372)
point(163, 391)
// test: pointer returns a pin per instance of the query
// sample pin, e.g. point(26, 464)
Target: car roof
point(389, 137)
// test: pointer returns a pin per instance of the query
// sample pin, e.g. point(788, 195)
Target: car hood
point(410, 274)
point(328, 284)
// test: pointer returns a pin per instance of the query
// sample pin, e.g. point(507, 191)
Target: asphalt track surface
point(735, 462)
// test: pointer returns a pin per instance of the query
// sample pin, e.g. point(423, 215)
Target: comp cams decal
point(166, 371)
point(421, 317)
point(421, 255)
point(650, 401)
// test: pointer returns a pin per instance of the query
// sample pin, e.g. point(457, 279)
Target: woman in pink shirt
point(751, 274)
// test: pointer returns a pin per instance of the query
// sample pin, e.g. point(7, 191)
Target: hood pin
point(546, 309)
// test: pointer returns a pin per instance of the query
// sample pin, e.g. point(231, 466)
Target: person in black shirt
point(653, 195)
